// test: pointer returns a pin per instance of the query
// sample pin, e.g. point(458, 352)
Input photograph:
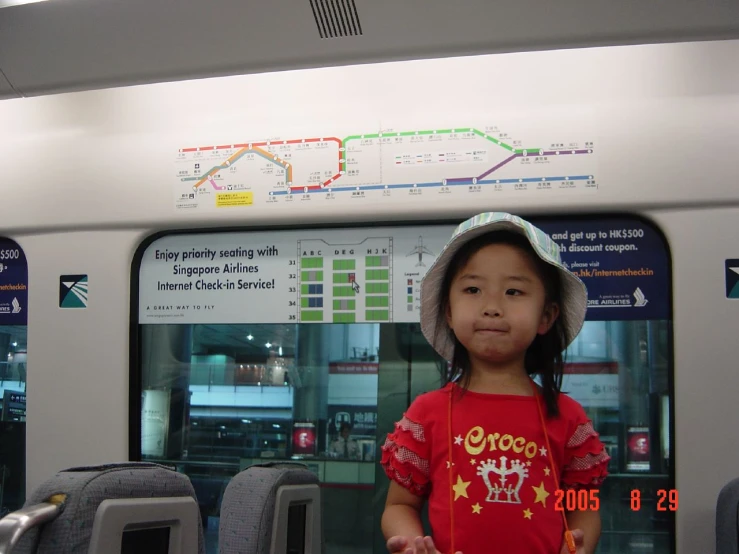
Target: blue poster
point(13, 284)
point(624, 263)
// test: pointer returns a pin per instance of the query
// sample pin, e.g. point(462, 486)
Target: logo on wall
point(732, 278)
point(73, 291)
point(639, 299)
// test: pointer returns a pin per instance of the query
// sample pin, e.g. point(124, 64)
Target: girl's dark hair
point(545, 355)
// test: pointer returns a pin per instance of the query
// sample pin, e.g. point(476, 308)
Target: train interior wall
point(88, 176)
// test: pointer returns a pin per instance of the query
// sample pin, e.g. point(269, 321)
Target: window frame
point(135, 351)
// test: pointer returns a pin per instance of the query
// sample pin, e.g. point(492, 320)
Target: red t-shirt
point(503, 489)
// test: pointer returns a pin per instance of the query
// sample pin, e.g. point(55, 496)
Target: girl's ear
point(548, 317)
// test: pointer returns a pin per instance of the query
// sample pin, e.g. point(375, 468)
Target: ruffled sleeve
point(586, 459)
point(406, 452)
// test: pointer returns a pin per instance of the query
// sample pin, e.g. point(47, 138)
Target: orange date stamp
point(588, 500)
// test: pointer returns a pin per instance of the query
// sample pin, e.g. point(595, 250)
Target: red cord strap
point(569, 539)
point(451, 473)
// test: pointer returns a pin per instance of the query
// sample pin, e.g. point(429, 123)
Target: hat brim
point(435, 329)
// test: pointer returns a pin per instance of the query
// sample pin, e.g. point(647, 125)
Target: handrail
point(14, 525)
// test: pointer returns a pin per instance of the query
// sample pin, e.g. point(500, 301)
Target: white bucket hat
point(574, 293)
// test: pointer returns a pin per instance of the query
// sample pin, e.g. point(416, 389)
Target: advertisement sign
point(373, 274)
point(13, 284)
point(304, 439)
point(154, 422)
point(623, 263)
point(356, 275)
point(637, 448)
point(362, 419)
point(353, 368)
point(592, 391)
point(14, 406)
point(594, 384)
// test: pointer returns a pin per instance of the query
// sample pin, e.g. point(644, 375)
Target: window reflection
point(218, 398)
point(13, 355)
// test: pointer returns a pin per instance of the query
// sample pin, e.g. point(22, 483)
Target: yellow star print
point(527, 513)
point(460, 489)
point(541, 494)
point(546, 471)
point(476, 508)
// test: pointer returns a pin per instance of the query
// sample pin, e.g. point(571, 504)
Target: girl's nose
point(492, 310)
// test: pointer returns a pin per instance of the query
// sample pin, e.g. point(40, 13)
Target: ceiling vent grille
point(336, 18)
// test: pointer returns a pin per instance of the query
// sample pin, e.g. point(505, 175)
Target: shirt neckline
point(489, 395)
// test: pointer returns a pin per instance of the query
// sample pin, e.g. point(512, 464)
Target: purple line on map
point(501, 164)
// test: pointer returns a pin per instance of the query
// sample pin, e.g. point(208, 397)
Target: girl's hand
point(397, 545)
point(579, 536)
point(421, 545)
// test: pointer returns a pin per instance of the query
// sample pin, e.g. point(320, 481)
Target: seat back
point(268, 507)
point(103, 508)
point(727, 519)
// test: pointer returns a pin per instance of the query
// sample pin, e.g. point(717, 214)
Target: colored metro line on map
point(447, 161)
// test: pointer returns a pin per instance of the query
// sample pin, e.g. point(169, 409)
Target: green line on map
point(479, 133)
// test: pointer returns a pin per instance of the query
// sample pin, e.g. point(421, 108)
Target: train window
point(305, 344)
point(13, 348)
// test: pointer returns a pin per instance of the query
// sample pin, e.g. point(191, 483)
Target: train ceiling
point(70, 45)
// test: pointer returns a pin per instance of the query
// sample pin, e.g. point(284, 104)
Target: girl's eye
point(472, 290)
point(514, 292)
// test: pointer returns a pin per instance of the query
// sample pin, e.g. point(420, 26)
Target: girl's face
point(497, 305)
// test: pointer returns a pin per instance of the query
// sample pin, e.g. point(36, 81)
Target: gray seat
point(268, 508)
point(727, 519)
point(91, 510)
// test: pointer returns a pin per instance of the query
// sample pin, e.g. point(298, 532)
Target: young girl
point(492, 452)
